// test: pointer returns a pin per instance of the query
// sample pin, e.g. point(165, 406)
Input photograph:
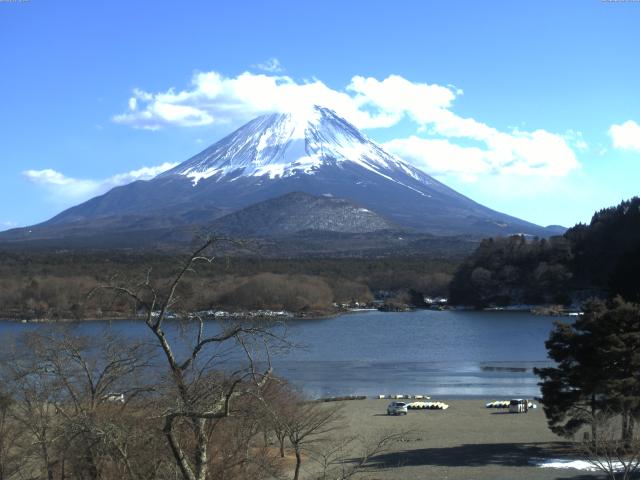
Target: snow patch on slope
point(283, 145)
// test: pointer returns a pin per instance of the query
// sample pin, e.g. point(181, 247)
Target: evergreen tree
point(624, 278)
point(620, 348)
point(602, 258)
point(574, 389)
point(597, 369)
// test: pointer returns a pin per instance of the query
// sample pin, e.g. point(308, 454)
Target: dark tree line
point(606, 251)
point(514, 270)
point(601, 258)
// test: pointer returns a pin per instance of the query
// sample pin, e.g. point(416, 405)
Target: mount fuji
point(252, 173)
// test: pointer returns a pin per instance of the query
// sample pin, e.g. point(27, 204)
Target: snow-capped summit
point(286, 144)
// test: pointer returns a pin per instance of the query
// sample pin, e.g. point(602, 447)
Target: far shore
point(544, 311)
point(239, 315)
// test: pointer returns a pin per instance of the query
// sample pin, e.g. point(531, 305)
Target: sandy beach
point(466, 441)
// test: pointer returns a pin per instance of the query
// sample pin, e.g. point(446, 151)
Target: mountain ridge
point(317, 153)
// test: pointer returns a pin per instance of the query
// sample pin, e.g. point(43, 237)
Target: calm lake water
point(443, 354)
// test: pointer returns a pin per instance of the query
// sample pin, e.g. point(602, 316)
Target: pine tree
point(620, 349)
point(597, 369)
point(574, 389)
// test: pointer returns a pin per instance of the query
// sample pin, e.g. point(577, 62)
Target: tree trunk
point(281, 440)
point(178, 454)
point(201, 449)
point(90, 468)
point(296, 474)
point(594, 421)
point(45, 456)
point(627, 428)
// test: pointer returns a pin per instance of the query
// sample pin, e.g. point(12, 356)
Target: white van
point(397, 408)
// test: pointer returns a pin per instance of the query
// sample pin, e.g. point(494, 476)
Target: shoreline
point(285, 314)
point(482, 398)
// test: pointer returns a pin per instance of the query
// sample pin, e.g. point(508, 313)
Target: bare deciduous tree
point(616, 457)
point(345, 458)
point(307, 424)
point(32, 386)
point(184, 403)
point(64, 387)
point(200, 390)
point(11, 436)
point(278, 403)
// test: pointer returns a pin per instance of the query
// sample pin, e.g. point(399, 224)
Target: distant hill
point(602, 258)
point(297, 212)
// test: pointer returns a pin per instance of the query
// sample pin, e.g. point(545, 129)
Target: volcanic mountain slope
point(299, 212)
point(315, 152)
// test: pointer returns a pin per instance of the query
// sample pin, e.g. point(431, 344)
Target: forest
point(599, 259)
point(54, 285)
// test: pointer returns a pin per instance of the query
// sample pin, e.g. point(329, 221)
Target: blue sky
point(531, 108)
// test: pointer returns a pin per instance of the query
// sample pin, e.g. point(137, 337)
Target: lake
point(437, 353)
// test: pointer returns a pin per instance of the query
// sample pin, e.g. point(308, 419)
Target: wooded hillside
point(602, 258)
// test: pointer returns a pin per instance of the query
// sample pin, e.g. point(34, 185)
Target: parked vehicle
point(518, 405)
point(397, 408)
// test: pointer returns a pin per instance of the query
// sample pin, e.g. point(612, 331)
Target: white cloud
point(395, 96)
point(626, 136)
point(62, 186)
point(440, 156)
point(68, 189)
point(272, 65)
point(516, 153)
point(213, 98)
point(367, 103)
